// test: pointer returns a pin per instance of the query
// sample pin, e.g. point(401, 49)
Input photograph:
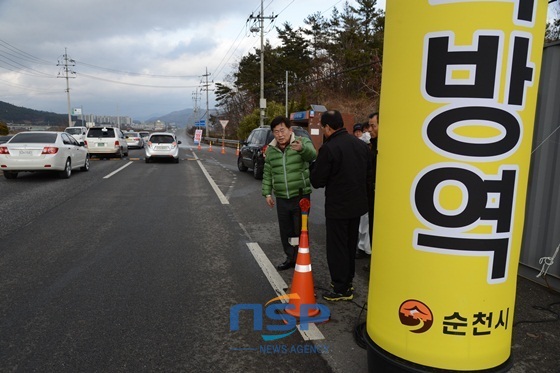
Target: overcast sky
point(132, 57)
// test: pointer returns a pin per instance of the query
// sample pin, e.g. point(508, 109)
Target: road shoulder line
point(278, 285)
point(217, 190)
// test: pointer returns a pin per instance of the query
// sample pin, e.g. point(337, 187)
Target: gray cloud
point(109, 39)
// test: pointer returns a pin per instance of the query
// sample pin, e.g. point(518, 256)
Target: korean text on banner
point(457, 111)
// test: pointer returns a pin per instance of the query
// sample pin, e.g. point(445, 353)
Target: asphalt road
point(139, 271)
point(135, 272)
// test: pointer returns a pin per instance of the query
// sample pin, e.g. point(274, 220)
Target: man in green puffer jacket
point(286, 173)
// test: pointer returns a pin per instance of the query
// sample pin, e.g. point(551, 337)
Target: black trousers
point(289, 222)
point(342, 238)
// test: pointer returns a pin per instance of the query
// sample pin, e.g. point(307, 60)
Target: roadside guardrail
point(217, 141)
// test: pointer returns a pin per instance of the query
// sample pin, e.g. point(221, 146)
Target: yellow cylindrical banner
point(458, 101)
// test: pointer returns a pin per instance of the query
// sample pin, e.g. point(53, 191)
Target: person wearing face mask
point(363, 250)
point(286, 175)
point(372, 127)
point(366, 133)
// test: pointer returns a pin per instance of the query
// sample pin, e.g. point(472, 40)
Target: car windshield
point(132, 134)
point(162, 139)
point(101, 132)
point(73, 131)
point(48, 138)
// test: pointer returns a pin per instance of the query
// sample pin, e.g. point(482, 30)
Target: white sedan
point(42, 151)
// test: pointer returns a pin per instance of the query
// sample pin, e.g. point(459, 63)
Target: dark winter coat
point(343, 167)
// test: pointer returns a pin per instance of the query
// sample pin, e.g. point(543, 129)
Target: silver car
point(134, 140)
point(42, 151)
point(162, 145)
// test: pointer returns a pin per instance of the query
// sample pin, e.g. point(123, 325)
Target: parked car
point(43, 151)
point(134, 140)
point(162, 145)
point(4, 139)
point(251, 154)
point(79, 133)
point(103, 141)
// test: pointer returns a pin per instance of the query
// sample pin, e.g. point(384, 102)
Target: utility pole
point(195, 110)
point(66, 64)
point(207, 115)
point(261, 18)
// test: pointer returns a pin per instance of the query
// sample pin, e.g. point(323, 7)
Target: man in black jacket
point(343, 168)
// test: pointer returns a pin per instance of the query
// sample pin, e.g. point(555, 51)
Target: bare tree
point(552, 32)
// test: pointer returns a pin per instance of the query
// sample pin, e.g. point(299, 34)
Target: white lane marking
point(217, 190)
point(118, 170)
point(278, 285)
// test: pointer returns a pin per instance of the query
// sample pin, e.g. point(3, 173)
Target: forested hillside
point(15, 114)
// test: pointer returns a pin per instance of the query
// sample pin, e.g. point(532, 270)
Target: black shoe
point(333, 297)
point(286, 265)
point(361, 254)
point(351, 286)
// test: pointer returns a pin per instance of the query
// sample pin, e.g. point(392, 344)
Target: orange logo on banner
point(414, 313)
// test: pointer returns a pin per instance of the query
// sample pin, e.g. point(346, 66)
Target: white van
point(79, 133)
point(106, 141)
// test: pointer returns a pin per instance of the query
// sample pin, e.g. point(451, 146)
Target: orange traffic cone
point(210, 147)
point(302, 283)
point(237, 151)
point(223, 148)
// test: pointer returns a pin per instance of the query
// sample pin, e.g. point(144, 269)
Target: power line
point(23, 87)
point(22, 68)
point(23, 54)
point(327, 77)
point(286, 7)
point(135, 84)
point(11, 57)
point(332, 6)
point(220, 67)
point(222, 64)
point(19, 70)
point(133, 73)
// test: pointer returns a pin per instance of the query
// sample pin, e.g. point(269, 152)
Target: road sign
point(197, 136)
point(224, 123)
